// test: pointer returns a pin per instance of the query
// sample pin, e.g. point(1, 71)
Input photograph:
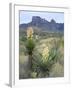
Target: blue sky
point(26, 16)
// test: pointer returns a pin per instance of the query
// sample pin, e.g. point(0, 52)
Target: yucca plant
point(42, 62)
point(30, 44)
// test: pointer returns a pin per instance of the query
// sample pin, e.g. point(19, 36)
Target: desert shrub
point(57, 70)
point(23, 38)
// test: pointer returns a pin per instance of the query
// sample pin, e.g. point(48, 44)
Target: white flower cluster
point(45, 54)
point(30, 32)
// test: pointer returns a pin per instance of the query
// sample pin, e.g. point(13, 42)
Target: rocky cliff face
point(43, 25)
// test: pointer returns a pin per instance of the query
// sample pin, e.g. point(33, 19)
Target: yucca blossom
point(43, 45)
point(30, 32)
point(45, 54)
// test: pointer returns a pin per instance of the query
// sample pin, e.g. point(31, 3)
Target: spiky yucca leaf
point(30, 44)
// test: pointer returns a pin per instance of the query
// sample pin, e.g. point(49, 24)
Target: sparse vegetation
point(45, 50)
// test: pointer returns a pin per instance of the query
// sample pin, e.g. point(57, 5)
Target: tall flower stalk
point(30, 44)
point(29, 33)
point(45, 54)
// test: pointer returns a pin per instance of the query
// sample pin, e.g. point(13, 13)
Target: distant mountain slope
point(41, 24)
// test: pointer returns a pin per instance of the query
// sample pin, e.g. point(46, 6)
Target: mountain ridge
point(43, 25)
